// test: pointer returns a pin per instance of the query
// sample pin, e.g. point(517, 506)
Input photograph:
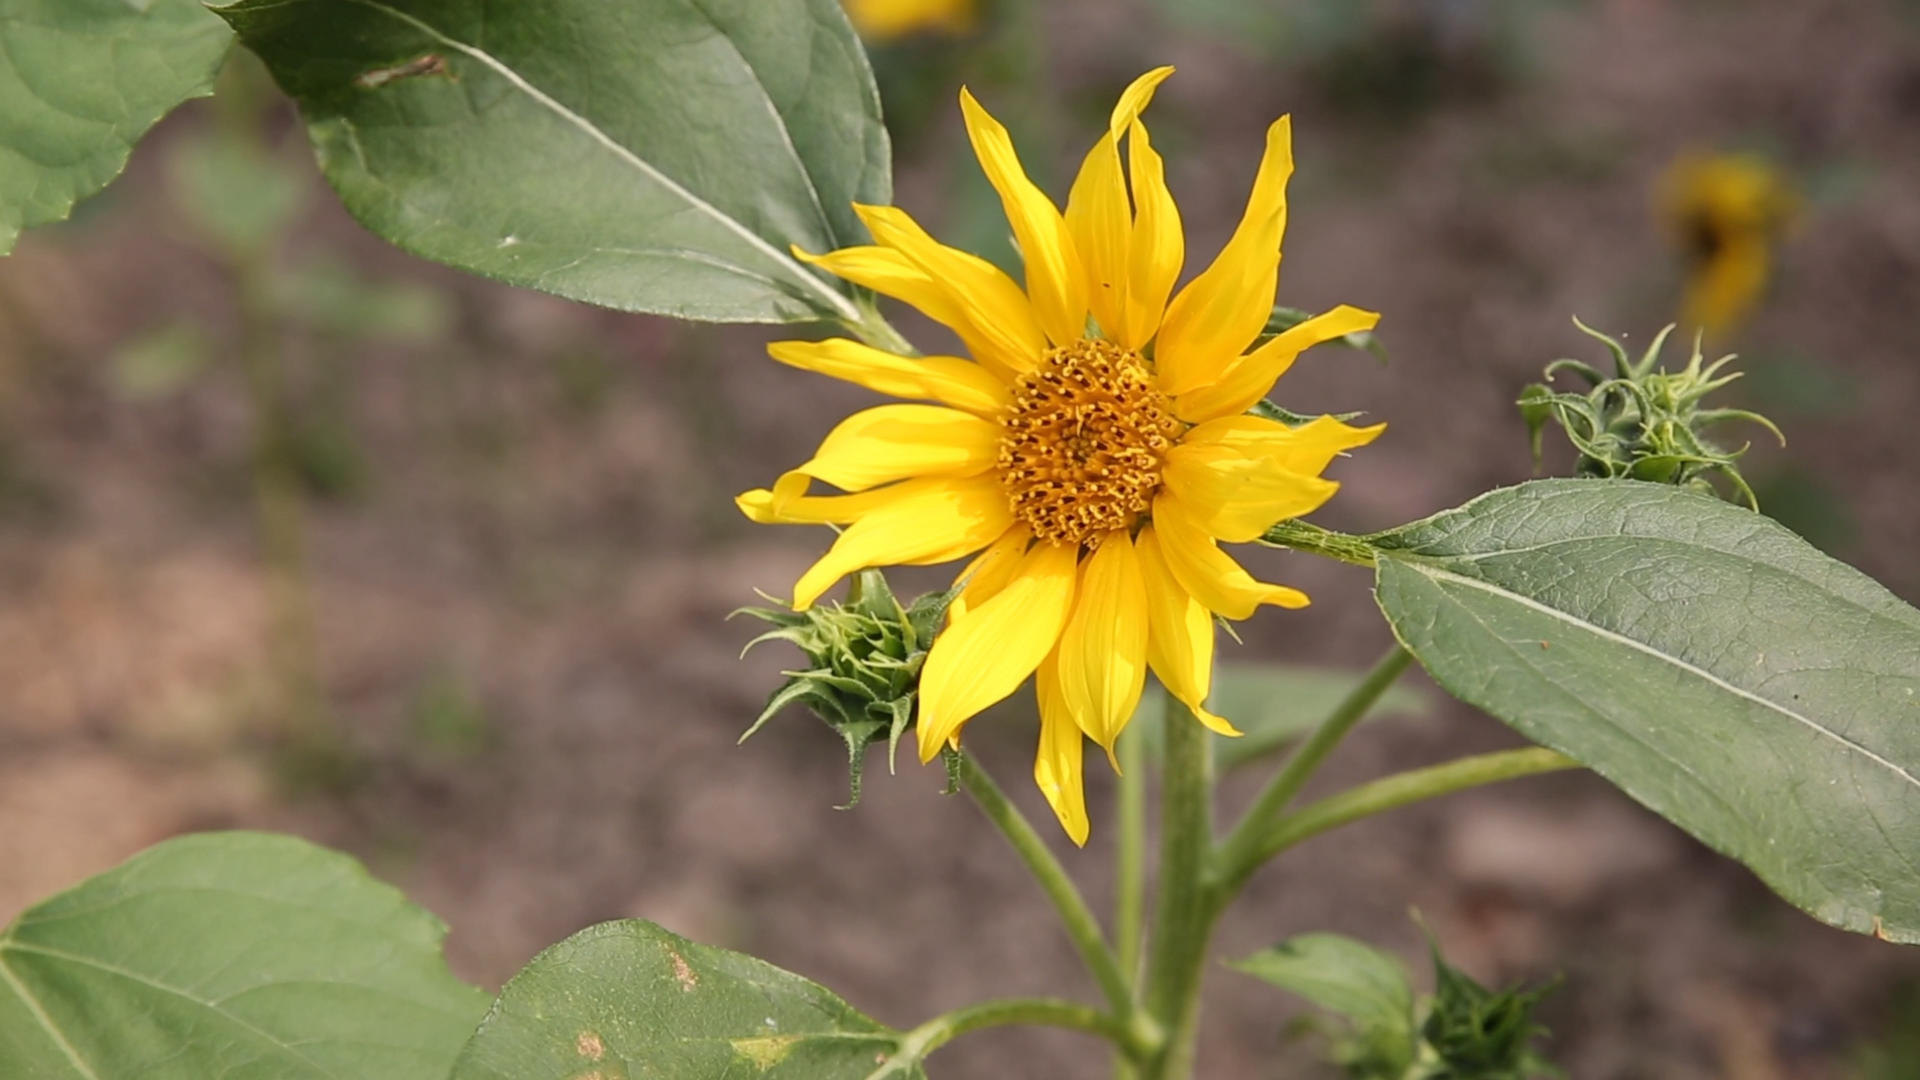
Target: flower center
point(1081, 453)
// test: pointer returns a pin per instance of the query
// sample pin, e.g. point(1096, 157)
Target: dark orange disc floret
point(1084, 442)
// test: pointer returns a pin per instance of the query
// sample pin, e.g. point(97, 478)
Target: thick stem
point(1391, 792)
point(1075, 915)
point(915, 1045)
point(1184, 912)
point(1130, 860)
point(1238, 847)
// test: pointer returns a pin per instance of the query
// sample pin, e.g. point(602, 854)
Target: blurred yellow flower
point(884, 20)
point(1725, 213)
point(1094, 450)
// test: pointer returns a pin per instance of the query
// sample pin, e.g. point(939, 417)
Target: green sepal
point(1482, 1034)
point(1290, 418)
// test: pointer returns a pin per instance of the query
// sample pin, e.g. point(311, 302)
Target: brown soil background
point(545, 534)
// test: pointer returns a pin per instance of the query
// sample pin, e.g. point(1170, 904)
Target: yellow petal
point(1103, 649)
point(949, 380)
point(986, 655)
point(1158, 247)
point(895, 442)
point(1057, 767)
point(1056, 284)
point(762, 508)
point(1179, 636)
point(1220, 312)
point(1102, 227)
point(1100, 218)
point(889, 273)
point(1235, 497)
point(927, 521)
point(1307, 449)
point(1002, 328)
point(989, 572)
point(1248, 379)
point(1209, 574)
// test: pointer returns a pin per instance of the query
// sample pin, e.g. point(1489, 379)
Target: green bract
point(1641, 423)
point(864, 661)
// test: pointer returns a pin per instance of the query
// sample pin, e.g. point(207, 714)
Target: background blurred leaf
point(630, 999)
point(1712, 664)
point(161, 361)
point(236, 194)
point(235, 955)
point(1272, 704)
point(647, 155)
point(331, 297)
point(80, 82)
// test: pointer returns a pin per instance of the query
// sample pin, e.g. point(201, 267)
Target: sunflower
point(884, 20)
point(1725, 214)
point(1091, 454)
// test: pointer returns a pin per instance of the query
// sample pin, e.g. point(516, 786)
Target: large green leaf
point(647, 155)
point(628, 999)
point(1716, 667)
point(241, 956)
point(80, 82)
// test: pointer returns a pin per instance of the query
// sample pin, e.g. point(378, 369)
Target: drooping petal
point(895, 442)
point(989, 572)
point(1209, 574)
point(986, 655)
point(927, 521)
point(949, 380)
point(1058, 765)
point(761, 508)
point(1056, 283)
point(890, 273)
point(1159, 247)
point(1234, 497)
point(1099, 217)
point(1002, 328)
point(1103, 649)
point(1249, 378)
point(1180, 635)
point(1307, 449)
point(1219, 313)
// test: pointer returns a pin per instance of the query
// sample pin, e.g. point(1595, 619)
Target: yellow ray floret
point(1090, 455)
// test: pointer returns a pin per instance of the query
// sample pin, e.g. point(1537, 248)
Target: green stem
point(1130, 869)
point(874, 329)
point(915, 1045)
point(1237, 849)
point(1314, 540)
point(1391, 792)
point(1184, 912)
point(1075, 915)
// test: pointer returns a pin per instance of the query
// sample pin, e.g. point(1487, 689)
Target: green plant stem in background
point(1130, 860)
point(1130, 865)
point(1236, 852)
point(1075, 915)
point(923, 1040)
point(292, 637)
point(1396, 791)
point(1184, 912)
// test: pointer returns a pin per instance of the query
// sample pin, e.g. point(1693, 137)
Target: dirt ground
point(521, 601)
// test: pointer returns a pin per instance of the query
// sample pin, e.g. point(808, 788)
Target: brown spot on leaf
point(430, 64)
point(590, 1045)
point(1880, 929)
point(683, 972)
